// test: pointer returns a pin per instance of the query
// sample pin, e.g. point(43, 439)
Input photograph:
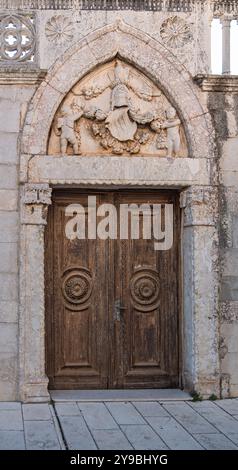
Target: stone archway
point(40, 171)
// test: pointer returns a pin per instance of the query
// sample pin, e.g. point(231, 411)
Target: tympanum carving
point(117, 110)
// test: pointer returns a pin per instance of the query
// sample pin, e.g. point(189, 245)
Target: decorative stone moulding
point(146, 5)
point(218, 83)
point(17, 38)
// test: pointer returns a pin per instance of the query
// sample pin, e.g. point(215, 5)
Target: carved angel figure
point(66, 124)
point(173, 137)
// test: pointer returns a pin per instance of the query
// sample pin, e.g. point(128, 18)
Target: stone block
point(8, 147)
point(8, 287)
point(8, 338)
point(8, 311)
point(235, 231)
point(10, 115)
point(230, 334)
point(8, 258)
point(8, 176)
point(230, 262)
point(229, 288)
point(9, 226)
point(8, 199)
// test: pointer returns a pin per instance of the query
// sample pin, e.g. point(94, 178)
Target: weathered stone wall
point(13, 104)
point(224, 109)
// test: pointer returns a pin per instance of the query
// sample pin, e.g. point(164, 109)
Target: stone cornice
point(21, 76)
point(218, 83)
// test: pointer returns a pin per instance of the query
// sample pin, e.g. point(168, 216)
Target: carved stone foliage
point(144, 287)
point(117, 110)
point(59, 29)
point(77, 288)
point(175, 32)
point(17, 38)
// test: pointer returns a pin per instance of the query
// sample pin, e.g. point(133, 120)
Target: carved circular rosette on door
point(144, 287)
point(77, 288)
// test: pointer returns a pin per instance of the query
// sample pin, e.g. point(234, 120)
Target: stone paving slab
point(111, 439)
point(10, 440)
point(125, 425)
point(189, 419)
point(11, 420)
point(76, 433)
point(97, 416)
point(223, 421)
point(36, 412)
point(41, 435)
point(215, 442)
point(173, 434)
point(125, 413)
point(143, 437)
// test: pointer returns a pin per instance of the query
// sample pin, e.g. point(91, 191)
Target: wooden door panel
point(147, 285)
point(80, 326)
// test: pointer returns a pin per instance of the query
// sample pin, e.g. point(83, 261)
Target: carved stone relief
point(59, 29)
point(175, 32)
point(17, 38)
point(117, 110)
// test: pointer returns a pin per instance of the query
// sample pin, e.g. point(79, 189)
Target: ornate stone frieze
point(225, 8)
point(17, 38)
point(147, 5)
point(59, 29)
point(200, 206)
point(117, 110)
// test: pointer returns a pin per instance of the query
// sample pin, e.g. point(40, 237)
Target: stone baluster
point(34, 206)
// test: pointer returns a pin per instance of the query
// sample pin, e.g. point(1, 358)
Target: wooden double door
point(112, 305)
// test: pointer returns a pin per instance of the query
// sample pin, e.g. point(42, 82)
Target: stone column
point(226, 46)
point(201, 277)
point(35, 199)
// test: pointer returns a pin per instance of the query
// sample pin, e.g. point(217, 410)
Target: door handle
point(117, 310)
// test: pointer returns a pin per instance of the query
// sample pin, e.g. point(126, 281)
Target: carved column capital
point(200, 206)
point(35, 201)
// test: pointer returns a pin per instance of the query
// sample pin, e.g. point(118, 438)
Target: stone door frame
point(193, 176)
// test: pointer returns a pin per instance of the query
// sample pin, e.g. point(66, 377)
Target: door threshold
point(120, 395)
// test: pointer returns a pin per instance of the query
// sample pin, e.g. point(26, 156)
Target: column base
point(35, 392)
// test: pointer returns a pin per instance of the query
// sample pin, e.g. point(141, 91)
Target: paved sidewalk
point(140, 425)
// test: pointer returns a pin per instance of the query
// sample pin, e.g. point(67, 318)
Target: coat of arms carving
point(117, 110)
